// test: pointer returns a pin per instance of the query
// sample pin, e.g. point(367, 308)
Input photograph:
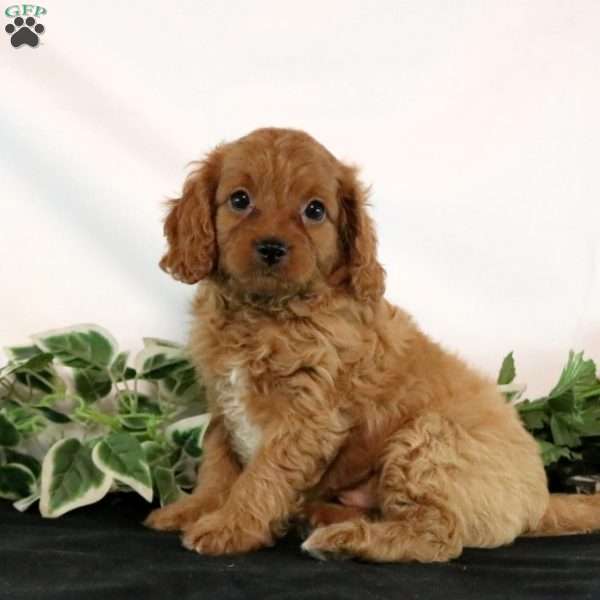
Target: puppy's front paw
point(224, 533)
point(176, 516)
point(339, 541)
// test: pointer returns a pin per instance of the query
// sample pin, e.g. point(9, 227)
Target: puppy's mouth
point(269, 281)
point(273, 273)
point(262, 284)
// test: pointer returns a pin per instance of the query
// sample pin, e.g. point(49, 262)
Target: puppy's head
point(274, 214)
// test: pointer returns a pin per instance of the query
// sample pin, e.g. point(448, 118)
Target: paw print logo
point(24, 32)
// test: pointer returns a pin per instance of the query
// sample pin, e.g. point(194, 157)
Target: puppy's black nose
point(271, 250)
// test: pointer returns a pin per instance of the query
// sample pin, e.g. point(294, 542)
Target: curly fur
point(330, 405)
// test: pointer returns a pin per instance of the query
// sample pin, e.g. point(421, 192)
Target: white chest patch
point(246, 437)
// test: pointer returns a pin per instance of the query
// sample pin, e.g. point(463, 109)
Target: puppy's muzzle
point(271, 251)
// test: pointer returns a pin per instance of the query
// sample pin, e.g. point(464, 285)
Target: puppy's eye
point(315, 211)
point(239, 200)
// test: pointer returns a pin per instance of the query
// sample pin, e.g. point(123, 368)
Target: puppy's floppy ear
point(189, 226)
point(366, 275)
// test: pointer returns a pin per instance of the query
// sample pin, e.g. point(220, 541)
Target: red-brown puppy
point(321, 390)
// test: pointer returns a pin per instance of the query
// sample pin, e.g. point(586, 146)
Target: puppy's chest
point(232, 398)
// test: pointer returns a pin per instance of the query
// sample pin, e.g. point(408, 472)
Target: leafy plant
point(77, 421)
point(566, 422)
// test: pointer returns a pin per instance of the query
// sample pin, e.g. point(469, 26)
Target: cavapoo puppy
point(329, 405)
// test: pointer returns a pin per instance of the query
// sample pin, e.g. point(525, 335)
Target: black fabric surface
point(103, 552)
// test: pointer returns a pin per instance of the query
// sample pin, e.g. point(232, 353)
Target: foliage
point(565, 422)
point(77, 421)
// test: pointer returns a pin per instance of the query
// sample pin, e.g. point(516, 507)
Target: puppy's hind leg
point(416, 521)
point(441, 489)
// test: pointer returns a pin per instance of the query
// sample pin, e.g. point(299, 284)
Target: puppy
point(329, 404)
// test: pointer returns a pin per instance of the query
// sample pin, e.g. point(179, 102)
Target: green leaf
point(23, 459)
point(158, 362)
point(532, 405)
point(81, 346)
point(37, 381)
point(189, 433)
point(129, 374)
point(70, 479)
point(180, 380)
point(183, 387)
point(146, 405)
point(563, 403)
point(16, 481)
point(193, 444)
point(31, 371)
point(507, 371)
point(168, 490)
point(593, 393)
point(535, 420)
point(137, 422)
point(119, 366)
point(121, 456)
point(141, 435)
point(564, 433)
point(25, 418)
point(578, 377)
point(160, 365)
point(590, 422)
point(38, 362)
point(21, 352)
point(9, 436)
point(92, 384)
point(551, 453)
point(156, 455)
point(53, 415)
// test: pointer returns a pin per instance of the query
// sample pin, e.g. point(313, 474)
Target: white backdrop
point(476, 122)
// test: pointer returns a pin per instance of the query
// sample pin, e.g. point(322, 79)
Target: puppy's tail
point(568, 514)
